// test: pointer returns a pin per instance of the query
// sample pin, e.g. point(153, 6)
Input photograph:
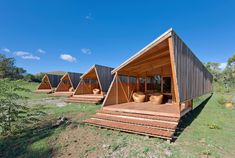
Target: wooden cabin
point(49, 83)
point(93, 86)
point(68, 84)
point(153, 89)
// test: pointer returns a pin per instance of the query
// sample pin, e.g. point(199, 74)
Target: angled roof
point(190, 72)
point(75, 78)
point(54, 79)
point(103, 74)
point(146, 48)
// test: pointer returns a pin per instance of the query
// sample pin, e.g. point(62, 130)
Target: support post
point(138, 84)
point(116, 88)
point(174, 76)
point(145, 84)
point(128, 87)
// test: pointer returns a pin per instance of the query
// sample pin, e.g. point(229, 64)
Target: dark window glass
point(166, 84)
point(157, 80)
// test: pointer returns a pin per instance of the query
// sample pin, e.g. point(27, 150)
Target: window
point(157, 82)
point(166, 84)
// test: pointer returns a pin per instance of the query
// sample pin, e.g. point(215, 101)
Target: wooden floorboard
point(145, 108)
point(134, 120)
point(131, 128)
point(144, 116)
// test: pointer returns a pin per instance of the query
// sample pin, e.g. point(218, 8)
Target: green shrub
point(213, 126)
point(222, 100)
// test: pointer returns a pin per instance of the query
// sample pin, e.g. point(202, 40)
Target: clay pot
point(71, 89)
point(96, 91)
point(229, 105)
point(156, 99)
point(138, 97)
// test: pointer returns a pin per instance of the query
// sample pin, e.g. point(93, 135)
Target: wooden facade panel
point(193, 78)
point(54, 79)
point(104, 76)
point(50, 81)
point(86, 88)
point(64, 85)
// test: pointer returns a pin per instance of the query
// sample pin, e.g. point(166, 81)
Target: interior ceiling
point(90, 75)
point(150, 62)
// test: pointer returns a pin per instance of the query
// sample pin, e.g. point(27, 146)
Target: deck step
point(138, 121)
point(153, 117)
point(63, 94)
point(81, 101)
point(88, 96)
point(91, 99)
point(132, 128)
point(43, 91)
point(145, 124)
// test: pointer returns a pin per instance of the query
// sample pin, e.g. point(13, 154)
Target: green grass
point(51, 109)
point(31, 86)
point(208, 131)
point(199, 137)
point(35, 141)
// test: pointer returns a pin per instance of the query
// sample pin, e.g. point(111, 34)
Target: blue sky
point(39, 34)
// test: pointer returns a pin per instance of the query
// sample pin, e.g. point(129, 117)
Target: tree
point(14, 113)
point(231, 60)
point(229, 72)
point(8, 68)
point(214, 69)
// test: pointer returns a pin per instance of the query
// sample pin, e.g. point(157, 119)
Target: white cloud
point(26, 55)
point(86, 51)
point(223, 65)
point(6, 50)
point(68, 57)
point(41, 51)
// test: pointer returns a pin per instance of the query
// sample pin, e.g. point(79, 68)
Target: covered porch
point(148, 108)
point(151, 73)
point(89, 82)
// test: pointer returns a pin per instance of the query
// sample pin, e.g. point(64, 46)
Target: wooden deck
point(43, 90)
point(146, 108)
point(140, 118)
point(86, 98)
point(66, 94)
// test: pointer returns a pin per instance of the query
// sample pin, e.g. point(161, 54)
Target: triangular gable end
point(42, 85)
point(104, 76)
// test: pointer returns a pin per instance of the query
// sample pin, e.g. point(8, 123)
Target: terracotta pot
point(71, 89)
point(156, 99)
point(229, 105)
point(96, 91)
point(138, 97)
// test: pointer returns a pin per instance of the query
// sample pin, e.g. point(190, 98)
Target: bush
point(14, 112)
point(213, 126)
point(222, 100)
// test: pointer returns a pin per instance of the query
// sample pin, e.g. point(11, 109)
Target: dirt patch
point(57, 101)
point(78, 142)
point(81, 140)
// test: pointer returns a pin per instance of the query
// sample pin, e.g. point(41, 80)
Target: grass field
point(209, 131)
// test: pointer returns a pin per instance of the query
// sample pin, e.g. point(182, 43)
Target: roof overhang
point(90, 70)
point(158, 40)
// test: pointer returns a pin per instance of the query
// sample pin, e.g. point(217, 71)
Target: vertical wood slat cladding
point(70, 79)
point(105, 77)
point(75, 78)
point(193, 78)
point(102, 80)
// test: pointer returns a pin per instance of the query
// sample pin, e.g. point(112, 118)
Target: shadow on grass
point(20, 145)
point(189, 118)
